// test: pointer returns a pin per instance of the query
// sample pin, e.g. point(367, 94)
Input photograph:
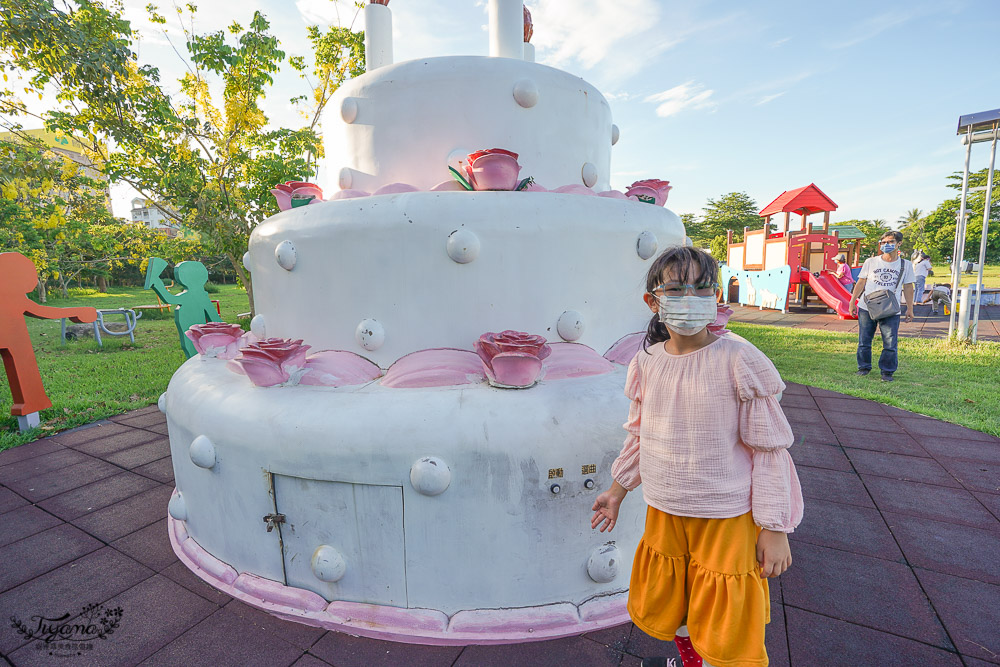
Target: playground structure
point(767, 268)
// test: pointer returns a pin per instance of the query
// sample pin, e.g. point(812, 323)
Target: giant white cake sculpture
point(389, 483)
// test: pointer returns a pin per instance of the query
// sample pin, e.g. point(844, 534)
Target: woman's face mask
point(687, 315)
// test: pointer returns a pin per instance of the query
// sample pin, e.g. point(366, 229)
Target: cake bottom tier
point(457, 515)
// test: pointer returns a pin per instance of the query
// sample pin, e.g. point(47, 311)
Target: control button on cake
point(463, 246)
point(328, 564)
point(349, 109)
point(602, 566)
point(370, 334)
point(570, 325)
point(286, 256)
point(646, 244)
point(257, 327)
point(202, 452)
point(555, 488)
point(177, 508)
point(526, 93)
point(430, 476)
point(589, 174)
point(588, 484)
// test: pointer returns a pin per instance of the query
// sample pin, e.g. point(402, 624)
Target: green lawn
point(86, 383)
point(991, 275)
point(948, 381)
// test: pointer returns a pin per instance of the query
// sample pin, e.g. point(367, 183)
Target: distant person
point(939, 294)
point(921, 269)
point(880, 276)
point(843, 272)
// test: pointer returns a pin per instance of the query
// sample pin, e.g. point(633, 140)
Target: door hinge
point(273, 520)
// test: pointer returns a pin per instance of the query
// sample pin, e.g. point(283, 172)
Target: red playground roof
point(808, 199)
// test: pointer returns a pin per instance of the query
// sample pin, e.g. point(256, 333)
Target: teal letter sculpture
point(192, 306)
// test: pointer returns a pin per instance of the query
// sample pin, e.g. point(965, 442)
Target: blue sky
point(861, 98)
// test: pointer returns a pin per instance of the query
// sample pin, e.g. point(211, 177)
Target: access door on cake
point(341, 540)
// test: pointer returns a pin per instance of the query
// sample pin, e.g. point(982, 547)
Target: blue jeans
point(888, 361)
point(918, 289)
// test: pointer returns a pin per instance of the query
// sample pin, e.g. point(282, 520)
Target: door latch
point(273, 520)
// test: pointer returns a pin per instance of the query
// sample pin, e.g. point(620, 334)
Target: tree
point(732, 211)
point(914, 232)
point(873, 230)
point(209, 164)
point(719, 248)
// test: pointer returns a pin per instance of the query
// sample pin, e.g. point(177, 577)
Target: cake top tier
point(407, 122)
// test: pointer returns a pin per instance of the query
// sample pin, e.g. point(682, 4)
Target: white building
point(144, 212)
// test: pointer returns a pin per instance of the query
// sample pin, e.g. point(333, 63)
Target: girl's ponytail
point(656, 332)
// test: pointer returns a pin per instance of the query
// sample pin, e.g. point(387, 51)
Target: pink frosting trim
point(444, 367)
point(338, 368)
point(625, 348)
point(454, 186)
point(415, 626)
point(573, 360)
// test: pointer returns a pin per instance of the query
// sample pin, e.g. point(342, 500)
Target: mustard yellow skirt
point(705, 571)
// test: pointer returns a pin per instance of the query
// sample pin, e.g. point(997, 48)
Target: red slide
point(833, 294)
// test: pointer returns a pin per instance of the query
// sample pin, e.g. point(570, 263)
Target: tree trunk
point(64, 290)
point(102, 284)
point(245, 278)
point(42, 281)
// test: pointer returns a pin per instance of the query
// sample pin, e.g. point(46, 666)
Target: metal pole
point(956, 272)
point(986, 229)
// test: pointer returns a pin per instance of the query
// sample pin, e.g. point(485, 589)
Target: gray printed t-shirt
point(880, 274)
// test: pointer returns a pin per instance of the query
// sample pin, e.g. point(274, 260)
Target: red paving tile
point(924, 501)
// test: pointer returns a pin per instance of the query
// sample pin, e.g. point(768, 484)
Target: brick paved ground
point(924, 324)
point(896, 562)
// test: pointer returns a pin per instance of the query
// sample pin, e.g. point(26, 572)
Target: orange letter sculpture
point(17, 278)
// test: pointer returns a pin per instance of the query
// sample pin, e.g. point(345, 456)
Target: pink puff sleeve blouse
point(707, 437)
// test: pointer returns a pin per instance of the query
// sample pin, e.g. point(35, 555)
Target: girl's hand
point(773, 553)
point(606, 507)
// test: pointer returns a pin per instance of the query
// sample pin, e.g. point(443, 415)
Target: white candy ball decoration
point(430, 476)
point(202, 452)
point(615, 134)
point(526, 93)
point(285, 253)
point(603, 564)
point(349, 109)
point(177, 507)
point(688, 242)
point(646, 244)
point(463, 246)
point(246, 260)
point(257, 327)
point(589, 174)
point(346, 178)
point(570, 325)
point(328, 564)
point(161, 403)
point(370, 334)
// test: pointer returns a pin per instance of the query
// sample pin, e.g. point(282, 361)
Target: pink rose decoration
point(512, 359)
point(273, 361)
point(216, 339)
point(493, 169)
point(529, 29)
point(717, 327)
point(650, 191)
point(296, 193)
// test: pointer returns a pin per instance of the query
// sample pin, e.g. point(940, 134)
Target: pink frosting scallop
point(574, 360)
point(395, 189)
point(535, 187)
point(612, 194)
point(448, 186)
point(443, 367)
point(574, 189)
point(625, 348)
point(349, 194)
point(338, 368)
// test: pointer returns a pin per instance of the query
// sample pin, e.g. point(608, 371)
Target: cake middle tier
point(388, 275)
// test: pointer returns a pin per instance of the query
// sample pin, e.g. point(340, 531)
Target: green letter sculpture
point(192, 306)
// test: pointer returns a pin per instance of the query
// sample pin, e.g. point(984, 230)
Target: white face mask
point(687, 315)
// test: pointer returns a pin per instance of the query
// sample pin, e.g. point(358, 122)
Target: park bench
point(131, 319)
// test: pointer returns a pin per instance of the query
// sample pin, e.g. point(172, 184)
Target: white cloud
point(688, 95)
point(873, 26)
point(778, 42)
point(769, 98)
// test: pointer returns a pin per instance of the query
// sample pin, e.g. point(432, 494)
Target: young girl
point(708, 441)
